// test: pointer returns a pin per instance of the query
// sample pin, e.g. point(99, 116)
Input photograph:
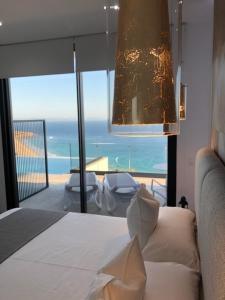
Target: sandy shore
point(21, 148)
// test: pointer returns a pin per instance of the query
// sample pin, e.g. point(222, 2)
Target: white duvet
point(61, 262)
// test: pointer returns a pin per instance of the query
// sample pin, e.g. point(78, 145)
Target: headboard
point(210, 210)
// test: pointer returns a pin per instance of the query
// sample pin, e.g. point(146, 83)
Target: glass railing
point(31, 157)
point(38, 155)
point(139, 158)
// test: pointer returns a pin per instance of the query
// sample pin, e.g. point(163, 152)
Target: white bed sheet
point(61, 262)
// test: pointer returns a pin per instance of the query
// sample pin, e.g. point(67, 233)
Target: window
point(144, 158)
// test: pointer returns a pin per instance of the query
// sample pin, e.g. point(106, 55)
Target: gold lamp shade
point(144, 86)
point(183, 101)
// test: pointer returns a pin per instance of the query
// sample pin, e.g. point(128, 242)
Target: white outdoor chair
point(117, 188)
point(159, 191)
point(72, 190)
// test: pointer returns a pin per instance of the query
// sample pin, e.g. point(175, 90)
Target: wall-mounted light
point(144, 102)
point(1, 23)
point(115, 7)
point(183, 101)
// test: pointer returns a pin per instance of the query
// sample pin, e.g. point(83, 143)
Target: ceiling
point(32, 20)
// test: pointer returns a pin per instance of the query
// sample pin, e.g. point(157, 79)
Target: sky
point(54, 97)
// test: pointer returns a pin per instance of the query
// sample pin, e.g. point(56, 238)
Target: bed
point(60, 262)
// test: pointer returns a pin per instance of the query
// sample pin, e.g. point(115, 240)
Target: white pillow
point(123, 278)
point(142, 215)
point(174, 238)
point(171, 281)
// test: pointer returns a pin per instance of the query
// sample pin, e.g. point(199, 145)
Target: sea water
point(145, 155)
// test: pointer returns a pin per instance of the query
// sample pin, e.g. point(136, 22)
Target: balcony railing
point(105, 159)
point(33, 161)
point(31, 157)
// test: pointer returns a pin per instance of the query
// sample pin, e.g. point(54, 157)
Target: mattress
point(62, 261)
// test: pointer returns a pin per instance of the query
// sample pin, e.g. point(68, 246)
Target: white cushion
point(171, 281)
point(142, 215)
point(173, 239)
point(123, 278)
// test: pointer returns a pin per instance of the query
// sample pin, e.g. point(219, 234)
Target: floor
point(55, 198)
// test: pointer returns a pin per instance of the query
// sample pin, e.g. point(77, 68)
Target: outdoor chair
point(159, 191)
point(118, 188)
point(72, 190)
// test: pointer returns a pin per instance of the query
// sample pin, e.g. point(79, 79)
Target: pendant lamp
point(142, 88)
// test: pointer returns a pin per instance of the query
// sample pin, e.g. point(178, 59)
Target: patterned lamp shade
point(144, 86)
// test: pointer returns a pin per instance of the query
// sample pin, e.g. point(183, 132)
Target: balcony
point(53, 198)
point(42, 176)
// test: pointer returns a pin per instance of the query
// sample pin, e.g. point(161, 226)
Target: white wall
point(197, 74)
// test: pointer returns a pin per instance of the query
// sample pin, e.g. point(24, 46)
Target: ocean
point(147, 155)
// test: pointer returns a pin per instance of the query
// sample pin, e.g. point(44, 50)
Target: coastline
point(20, 146)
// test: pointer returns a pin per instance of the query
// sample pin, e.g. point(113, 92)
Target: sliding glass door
point(48, 148)
point(118, 164)
point(44, 110)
